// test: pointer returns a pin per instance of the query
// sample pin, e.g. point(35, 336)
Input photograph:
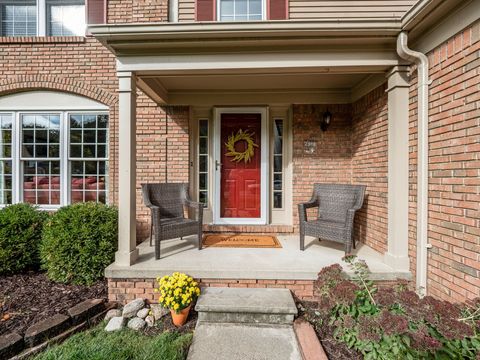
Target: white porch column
point(127, 241)
point(398, 99)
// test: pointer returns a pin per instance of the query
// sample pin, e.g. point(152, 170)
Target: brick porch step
point(246, 306)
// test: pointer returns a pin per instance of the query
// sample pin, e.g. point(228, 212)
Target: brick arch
point(45, 82)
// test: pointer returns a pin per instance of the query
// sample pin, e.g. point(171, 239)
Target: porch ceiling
point(279, 62)
point(261, 88)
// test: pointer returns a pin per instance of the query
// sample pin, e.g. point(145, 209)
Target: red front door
point(241, 162)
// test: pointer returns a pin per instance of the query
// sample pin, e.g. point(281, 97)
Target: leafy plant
point(20, 234)
point(78, 242)
point(177, 291)
point(394, 323)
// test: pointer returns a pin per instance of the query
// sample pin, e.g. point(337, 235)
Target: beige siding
point(186, 10)
point(323, 9)
point(341, 9)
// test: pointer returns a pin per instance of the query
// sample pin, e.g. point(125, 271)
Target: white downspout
point(422, 158)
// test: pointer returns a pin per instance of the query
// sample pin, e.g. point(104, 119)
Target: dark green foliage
point(125, 344)
point(394, 323)
point(78, 242)
point(20, 234)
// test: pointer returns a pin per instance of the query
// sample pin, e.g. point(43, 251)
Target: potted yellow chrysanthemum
point(177, 293)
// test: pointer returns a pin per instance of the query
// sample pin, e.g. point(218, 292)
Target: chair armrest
point(197, 206)
point(193, 204)
point(350, 215)
point(302, 209)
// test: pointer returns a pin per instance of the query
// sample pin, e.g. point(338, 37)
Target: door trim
point(264, 173)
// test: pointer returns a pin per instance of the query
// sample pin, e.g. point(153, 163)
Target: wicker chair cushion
point(334, 203)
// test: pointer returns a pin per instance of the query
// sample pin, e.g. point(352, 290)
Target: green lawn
point(96, 344)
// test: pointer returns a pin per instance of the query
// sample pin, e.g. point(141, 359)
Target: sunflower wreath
point(246, 155)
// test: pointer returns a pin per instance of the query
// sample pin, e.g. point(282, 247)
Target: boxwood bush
point(20, 235)
point(78, 242)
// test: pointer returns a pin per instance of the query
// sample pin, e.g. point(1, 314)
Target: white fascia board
point(260, 61)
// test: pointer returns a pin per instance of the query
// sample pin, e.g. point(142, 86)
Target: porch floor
point(286, 263)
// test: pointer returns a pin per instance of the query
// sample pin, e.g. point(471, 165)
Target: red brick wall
point(331, 162)
point(454, 169)
point(137, 11)
point(370, 166)
point(84, 67)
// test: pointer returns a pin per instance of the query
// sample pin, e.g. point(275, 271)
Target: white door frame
point(264, 178)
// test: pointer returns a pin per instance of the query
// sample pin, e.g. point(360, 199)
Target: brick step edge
point(310, 346)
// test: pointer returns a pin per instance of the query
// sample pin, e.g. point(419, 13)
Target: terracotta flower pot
point(180, 318)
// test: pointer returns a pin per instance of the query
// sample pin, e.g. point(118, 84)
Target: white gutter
point(422, 154)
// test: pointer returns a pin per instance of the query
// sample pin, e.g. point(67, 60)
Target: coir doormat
point(241, 241)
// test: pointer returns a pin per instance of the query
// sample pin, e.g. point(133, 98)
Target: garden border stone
point(10, 344)
point(27, 353)
point(48, 328)
point(85, 310)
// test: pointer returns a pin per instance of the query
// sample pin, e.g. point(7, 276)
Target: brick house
point(140, 97)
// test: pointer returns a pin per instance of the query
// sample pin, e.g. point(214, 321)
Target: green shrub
point(20, 235)
point(78, 242)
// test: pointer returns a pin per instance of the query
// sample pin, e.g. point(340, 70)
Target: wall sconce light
point(325, 120)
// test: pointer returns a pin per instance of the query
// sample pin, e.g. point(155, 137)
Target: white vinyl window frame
point(219, 11)
point(65, 160)
point(42, 17)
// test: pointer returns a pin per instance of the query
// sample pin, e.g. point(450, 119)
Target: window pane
point(66, 20)
point(277, 181)
point(5, 182)
point(277, 200)
point(88, 181)
point(41, 182)
point(277, 164)
point(240, 10)
point(88, 140)
point(5, 136)
point(18, 18)
point(203, 160)
point(40, 136)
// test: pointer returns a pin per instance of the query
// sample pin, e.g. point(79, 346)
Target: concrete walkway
point(244, 342)
point(245, 324)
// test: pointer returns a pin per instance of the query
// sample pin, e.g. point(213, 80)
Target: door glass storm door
point(240, 154)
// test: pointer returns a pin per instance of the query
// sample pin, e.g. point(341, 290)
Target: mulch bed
point(335, 350)
point(166, 324)
point(29, 298)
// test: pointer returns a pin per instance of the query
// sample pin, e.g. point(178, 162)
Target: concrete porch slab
point(287, 263)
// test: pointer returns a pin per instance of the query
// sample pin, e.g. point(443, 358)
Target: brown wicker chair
point(166, 203)
point(337, 204)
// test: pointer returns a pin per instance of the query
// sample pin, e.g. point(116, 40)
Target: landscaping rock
point(113, 313)
point(130, 310)
point(136, 323)
point(150, 320)
point(158, 311)
point(85, 310)
point(10, 345)
point(46, 329)
point(143, 313)
point(116, 323)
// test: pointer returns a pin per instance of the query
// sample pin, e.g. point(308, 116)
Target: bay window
point(51, 159)
point(42, 18)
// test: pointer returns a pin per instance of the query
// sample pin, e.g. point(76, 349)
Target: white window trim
point(264, 11)
point(41, 6)
point(65, 168)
